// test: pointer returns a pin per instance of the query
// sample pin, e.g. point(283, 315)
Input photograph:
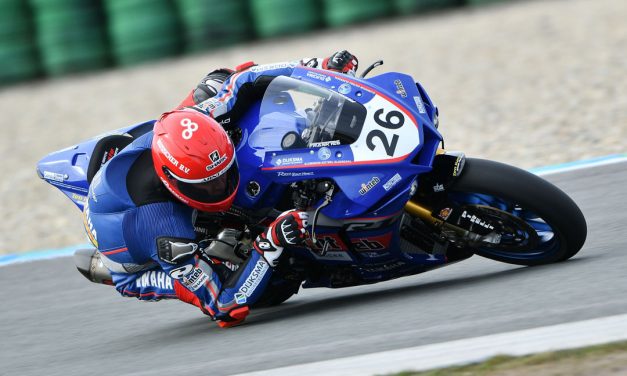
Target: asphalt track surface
point(54, 322)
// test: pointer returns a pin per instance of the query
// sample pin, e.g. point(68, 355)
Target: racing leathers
point(146, 237)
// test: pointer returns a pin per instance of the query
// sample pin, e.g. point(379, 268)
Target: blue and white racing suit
point(135, 223)
point(136, 233)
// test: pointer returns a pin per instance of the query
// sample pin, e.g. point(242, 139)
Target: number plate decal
point(388, 133)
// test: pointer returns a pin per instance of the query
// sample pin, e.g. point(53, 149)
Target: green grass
point(503, 363)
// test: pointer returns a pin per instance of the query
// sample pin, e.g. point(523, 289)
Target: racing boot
point(90, 265)
point(234, 317)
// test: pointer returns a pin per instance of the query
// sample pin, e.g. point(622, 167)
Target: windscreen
point(325, 116)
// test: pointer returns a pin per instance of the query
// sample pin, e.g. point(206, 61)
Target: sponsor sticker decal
point(287, 161)
point(445, 213)
point(293, 174)
point(324, 153)
point(255, 277)
point(400, 89)
point(54, 176)
point(265, 67)
point(325, 143)
point(420, 104)
point(318, 76)
point(333, 255)
point(79, 198)
point(179, 273)
point(209, 105)
point(156, 279)
point(167, 153)
point(195, 279)
point(344, 88)
point(474, 219)
point(216, 160)
point(240, 298)
point(89, 226)
point(366, 187)
point(459, 165)
point(392, 182)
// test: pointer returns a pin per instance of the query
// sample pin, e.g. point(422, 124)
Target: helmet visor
point(212, 191)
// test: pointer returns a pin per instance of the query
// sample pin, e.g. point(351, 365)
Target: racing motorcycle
point(365, 157)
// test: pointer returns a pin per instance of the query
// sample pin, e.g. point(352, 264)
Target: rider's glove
point(342, 61)
point(211, 85)
point(287, 230)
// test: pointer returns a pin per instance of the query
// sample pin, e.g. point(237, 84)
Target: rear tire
point(531, 193)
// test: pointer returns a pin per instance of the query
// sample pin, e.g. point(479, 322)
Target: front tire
point(561, 227)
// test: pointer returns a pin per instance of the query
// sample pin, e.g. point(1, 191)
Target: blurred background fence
point(58, 37)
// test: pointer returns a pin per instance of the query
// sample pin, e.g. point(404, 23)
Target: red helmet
point(195, 159)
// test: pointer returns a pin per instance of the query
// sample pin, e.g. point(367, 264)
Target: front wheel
point(535, 222)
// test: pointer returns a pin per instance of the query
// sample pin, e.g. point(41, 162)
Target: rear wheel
point(534, 222)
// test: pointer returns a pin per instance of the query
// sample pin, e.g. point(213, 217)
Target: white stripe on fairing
point(548, 170)
point(466, 351)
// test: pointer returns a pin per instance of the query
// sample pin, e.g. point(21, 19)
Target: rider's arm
point(226, 94)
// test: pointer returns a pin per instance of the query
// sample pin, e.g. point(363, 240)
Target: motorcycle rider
point(142, 204)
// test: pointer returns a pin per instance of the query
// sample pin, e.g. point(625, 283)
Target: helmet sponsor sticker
point(216, 160)
point(190, 128)
point(167, 153)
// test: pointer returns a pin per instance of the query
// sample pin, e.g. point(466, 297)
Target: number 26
point(393, 120)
